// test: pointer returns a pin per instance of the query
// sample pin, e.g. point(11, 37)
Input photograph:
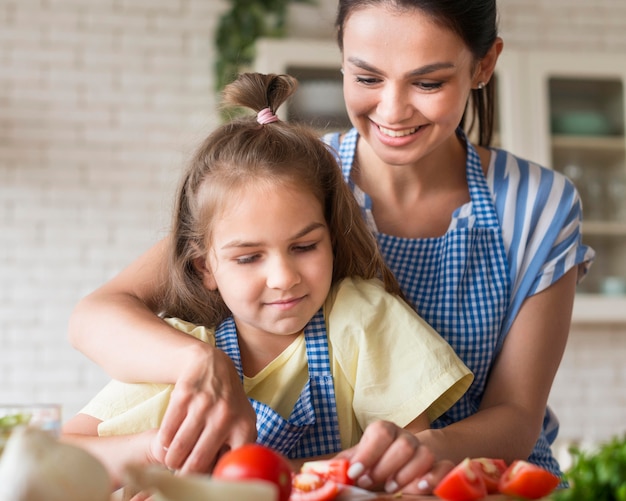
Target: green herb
point(599, 475)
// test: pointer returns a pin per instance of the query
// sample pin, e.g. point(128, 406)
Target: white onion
point(36, 467)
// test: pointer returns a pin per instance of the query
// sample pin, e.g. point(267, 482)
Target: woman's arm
point(117, 327)
point(510, 417)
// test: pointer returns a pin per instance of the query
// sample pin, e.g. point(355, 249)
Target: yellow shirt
point(387, 363)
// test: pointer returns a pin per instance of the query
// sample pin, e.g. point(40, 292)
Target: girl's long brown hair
point(282, 154)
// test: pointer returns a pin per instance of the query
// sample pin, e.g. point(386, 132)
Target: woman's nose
point(394, 106)
point(282, 273)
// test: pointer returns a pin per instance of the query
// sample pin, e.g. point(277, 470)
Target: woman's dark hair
point(277, 155)
point(474, 21)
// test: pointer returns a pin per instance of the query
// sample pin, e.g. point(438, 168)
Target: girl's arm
point(118, 328)
point(113, 452)
point(510, 417)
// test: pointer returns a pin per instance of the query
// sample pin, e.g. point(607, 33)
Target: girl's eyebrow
point(243, 243)
point(423, 70)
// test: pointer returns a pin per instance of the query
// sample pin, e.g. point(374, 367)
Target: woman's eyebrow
point(423, 70)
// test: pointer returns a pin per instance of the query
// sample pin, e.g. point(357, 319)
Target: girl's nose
point(282, 274)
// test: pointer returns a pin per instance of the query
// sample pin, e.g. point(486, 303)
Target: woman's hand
point(392, 458)
point(208, 413)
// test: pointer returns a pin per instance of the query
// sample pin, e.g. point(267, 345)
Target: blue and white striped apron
point(312, 428)
point(459, 282)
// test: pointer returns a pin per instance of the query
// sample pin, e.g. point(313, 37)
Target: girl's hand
point(208, 413)
point(391, 458)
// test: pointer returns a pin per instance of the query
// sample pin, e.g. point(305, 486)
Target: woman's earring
point(480, 86)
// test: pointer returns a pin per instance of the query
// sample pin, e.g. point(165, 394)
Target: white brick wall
point(101, 101)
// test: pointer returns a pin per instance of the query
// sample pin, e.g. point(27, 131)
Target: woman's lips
point(397, 133)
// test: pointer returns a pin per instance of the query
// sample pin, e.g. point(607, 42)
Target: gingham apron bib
point(312, 428)
point(459, 282)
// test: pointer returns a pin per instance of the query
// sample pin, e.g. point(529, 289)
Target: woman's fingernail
point(391, 486)
point(423, 485)
point(355, 470)
point(365, 482)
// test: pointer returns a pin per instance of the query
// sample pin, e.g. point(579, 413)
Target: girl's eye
point(247, 259)
point(305, 248)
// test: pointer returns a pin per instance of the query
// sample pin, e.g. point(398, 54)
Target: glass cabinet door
point(316, 64)
point(579, 130)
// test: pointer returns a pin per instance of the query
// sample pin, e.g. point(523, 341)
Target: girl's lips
point(285, 304)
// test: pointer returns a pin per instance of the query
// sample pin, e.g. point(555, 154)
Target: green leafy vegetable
point(12, 420)
point(599, 475)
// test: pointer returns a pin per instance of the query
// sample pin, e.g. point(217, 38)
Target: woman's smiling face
point(406, 81)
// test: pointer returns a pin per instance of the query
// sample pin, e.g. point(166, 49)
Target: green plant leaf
point(238, 30)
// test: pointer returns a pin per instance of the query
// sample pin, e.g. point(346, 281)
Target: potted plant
point(238, 29)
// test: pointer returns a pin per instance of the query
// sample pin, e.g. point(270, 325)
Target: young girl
point(271, 261)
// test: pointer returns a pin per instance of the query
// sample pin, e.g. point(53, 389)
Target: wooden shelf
point(599, 309)
point(604, 228)
point(607, 143)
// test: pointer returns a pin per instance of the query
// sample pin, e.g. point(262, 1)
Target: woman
point(486, 246)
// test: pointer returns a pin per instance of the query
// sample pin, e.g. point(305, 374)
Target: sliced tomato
point(491, 470)
point(463, 483)
point(333, 469)
point(527, 480)
point(310, 486)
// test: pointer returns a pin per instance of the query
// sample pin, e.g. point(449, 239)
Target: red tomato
point(256, 462)
point(333, 469)
point(527, 480)
point(463, 483)
point(309, 486)
point(491, 470)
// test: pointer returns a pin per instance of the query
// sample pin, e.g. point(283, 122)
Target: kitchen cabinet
point(565, 111)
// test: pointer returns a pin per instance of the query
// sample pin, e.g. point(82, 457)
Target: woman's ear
point(208, 280)
point(487, 64)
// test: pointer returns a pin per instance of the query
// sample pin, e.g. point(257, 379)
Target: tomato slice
point(491, 470)
point(333, 469)
point(527, 480)
point(463, 483)
point(309, 486)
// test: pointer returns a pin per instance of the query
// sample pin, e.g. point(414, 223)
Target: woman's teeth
point(397, 133)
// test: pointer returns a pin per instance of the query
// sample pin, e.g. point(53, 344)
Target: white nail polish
point(365, 482)
point(356, 470)
point(423, 485)
point(391, 486)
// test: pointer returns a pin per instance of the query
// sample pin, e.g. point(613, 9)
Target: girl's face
point(271, 259)
point(406, 81)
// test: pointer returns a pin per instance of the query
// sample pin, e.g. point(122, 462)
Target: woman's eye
point(367, 80)
point(429, 85)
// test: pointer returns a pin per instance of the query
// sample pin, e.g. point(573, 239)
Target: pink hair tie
point(266, 116)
